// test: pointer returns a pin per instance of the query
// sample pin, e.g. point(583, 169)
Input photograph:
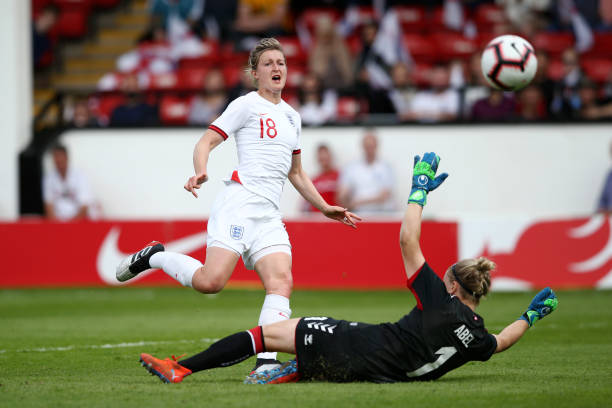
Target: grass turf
point(80, 347)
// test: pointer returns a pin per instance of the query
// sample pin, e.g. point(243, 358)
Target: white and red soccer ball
point(509, 63)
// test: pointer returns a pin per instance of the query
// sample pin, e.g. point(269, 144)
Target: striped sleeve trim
point(219, 131)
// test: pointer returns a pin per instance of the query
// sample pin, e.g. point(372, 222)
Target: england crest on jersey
point(236, 231)
point(290, 118)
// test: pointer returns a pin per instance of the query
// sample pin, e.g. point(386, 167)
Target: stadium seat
point(293, 50)
point(165, 81)
point(488, 15)
point(349, 109)
point(365, 14)
point(72, 23)
point(421, 47)
point(174, 110)
point(435, 21)
point(191, 78)
point(411, 18)
point(598, 69)
point(295, 74)
point(231, 74)
point(553, 43)
point(555, 69)
point(602, 48)
point(106, 4)
point(454, 45)
point(102, 105)
point(420, 74)
point(211, 56)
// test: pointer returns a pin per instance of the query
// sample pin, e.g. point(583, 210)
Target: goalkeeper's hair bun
point(474, 277)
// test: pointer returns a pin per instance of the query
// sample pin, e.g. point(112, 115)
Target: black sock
point(225, 352)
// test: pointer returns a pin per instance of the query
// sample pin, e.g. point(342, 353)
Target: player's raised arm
point(302, 183)
point(424, 180)
point(543, 304)
point(209, 140)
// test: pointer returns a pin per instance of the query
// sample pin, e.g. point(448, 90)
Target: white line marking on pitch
point(107, 346)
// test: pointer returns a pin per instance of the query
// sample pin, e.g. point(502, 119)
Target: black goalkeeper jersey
point(438, 335)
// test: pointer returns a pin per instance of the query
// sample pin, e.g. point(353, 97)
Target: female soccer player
point(245, 219)
point(441, 333)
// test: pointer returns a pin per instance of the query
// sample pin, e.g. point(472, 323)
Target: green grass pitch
point(80, 347)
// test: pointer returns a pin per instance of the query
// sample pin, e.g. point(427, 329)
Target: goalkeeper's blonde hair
point(265, 44)
point(475, 274)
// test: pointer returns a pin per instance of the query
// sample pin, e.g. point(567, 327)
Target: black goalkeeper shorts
point(324, 351)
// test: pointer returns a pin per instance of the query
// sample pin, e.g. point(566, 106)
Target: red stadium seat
point(598, 69)
point(72, 23)
point(435, 22)
point(74, 5)
point(553, 43)
point(102, 106)
point(174, 110)
point(349, 109)
point(231, 74)
point(421, 47)
point(489, 15)
point(164, 81)
point(295, 75)
point(555, 69)
point(38, 5)
point(420, 74)
point(106, 3)
point(365, 14)
point(454, 45)
point(211, 56)
point(411, 18)
point(293, 50)
point(602, 47)
point(191, 78)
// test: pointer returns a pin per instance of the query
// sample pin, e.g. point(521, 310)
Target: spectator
point(566, 100)
point(367, 184)
point(218, 19)
point(66, 193)
point(403, 91)
point(243, 87)
point(42, 43)
point(134, 111)
point(330, 59)
point(531, 104)
point(256, 19)
point(592, 107)
point(496, 107)
point(164, 11)
point(316, 105)
point(438, 104)
point(605, 198)
point(326, 182)
point(207, 105)
point(371, 79)
point(543, 81)
point(475, 86)
point(82, 117)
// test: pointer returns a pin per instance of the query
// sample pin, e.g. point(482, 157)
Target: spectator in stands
point(372, 80)
point(475, 86)
point(326, 182)
point(256, 19)
point(605, 198)
point(134, 111)
point(438, 104)
point(531, 104)
point(566, 100)
point(317, 106)
point(243, 87)
point(218, 19)
point(42, 43)
point(496, 107)
point(366, 185)
point(207, 105)
point(591, 106)
point(66, 192)
point(542, 79)
point(82, 117)
point(403, 91)
point(330, 59)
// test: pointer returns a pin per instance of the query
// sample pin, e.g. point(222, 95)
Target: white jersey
point(267, 135)
point(67, 195)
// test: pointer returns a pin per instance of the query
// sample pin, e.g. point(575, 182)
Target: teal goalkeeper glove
point(424, 177)
point(543, 304)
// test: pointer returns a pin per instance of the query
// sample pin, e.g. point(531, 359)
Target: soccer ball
point(508, 63)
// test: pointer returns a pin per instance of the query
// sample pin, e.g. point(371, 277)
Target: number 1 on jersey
point(271, 131)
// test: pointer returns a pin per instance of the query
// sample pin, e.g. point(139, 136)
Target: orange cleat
point(168, 370)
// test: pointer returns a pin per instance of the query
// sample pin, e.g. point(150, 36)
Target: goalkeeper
point(441, 333)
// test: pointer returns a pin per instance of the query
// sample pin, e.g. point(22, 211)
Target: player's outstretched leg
point(169, 371)
point(285, 373)
point(138, 262)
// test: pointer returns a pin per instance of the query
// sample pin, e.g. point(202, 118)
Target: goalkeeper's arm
point(510, 335)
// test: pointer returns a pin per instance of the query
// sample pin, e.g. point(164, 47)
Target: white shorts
point(247, 224)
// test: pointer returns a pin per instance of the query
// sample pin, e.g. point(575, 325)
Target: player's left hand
point(543, 304)
point(341, 214)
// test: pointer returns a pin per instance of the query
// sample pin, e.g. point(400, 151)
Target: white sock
point(178, 266)
point(275, 309)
